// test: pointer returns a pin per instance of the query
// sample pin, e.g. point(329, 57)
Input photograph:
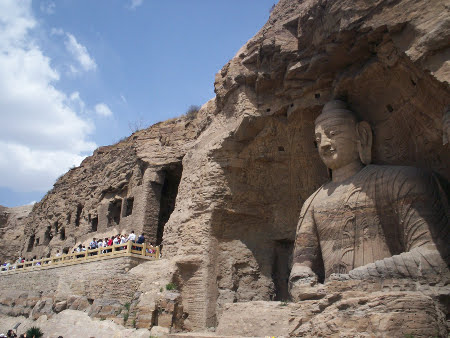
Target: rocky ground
point(244, 165)
point(71, 323)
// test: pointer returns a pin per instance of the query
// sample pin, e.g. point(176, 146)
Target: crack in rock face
point(222, 190)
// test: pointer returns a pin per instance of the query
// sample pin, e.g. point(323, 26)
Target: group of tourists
point(105, 243)
point(13, 334)
point(7, 266)
point(97, 243)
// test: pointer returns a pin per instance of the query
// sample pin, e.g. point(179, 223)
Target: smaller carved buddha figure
point(369, 221)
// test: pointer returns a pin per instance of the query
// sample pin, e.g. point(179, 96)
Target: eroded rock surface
point(12, 227)
point(223, 191)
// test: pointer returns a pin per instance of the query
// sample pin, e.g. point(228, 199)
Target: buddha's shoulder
point(313, 198)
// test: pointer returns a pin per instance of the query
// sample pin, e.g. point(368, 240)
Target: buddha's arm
point(303, 278)
point(307, 248)
point(422, 211)
point(419, 263)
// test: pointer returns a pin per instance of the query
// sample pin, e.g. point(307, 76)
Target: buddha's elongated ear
point(364, 133)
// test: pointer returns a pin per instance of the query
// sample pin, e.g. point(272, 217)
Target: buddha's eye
point(332, 133)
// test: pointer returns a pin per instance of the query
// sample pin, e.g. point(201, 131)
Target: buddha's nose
point(325, 143)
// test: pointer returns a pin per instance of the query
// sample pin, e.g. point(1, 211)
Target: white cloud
point(47, 7)
point(76, 103)
point(34, 169)
point(57, 31)
point(80, 53)
point(124, 100)
point(135, 3)
point(41, 132)
point(103, 110)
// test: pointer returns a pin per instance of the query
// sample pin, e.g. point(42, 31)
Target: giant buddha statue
point(368, 221)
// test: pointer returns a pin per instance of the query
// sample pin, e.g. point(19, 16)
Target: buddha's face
point(336, 139)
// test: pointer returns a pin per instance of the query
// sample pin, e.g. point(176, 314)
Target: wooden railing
point(117, 250)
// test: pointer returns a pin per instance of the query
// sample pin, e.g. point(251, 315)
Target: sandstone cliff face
point(127, 186)
point(223, 191)
point(258, 157)
point(11, 231)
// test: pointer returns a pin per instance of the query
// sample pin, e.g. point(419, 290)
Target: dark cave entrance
point(78, 215)
point(31, 243)
point(48, 235)
point(94, 224)
point(129, 206)
point(172, 178)
point(282, 257)
point(62, 234)
point(56, 225)
point(114, 209)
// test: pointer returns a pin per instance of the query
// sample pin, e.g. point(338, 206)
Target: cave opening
point(282, 257)
point(62, 234)
point(56, 225)
point(94, 224)
point(172, 178)
point(129, 206)
point(31, 243)
point(78, 215)
point(48, 235)
point(114, 209)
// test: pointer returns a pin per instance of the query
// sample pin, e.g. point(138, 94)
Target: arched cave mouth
point(172, 177)
point(272, 167)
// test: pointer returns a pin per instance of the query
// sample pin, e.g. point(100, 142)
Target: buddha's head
point(341, 138)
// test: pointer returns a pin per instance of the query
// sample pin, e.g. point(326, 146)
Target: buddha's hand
point(302, 274)
point(302, 283)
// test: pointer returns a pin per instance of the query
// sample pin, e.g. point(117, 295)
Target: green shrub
point(35, 332)
point(171, 286)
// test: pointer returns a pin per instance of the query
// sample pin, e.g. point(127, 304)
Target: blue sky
point(78, 74)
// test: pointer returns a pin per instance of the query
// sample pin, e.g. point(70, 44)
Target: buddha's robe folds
point(384, 221)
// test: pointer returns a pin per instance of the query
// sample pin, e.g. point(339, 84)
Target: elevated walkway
point(129, 249)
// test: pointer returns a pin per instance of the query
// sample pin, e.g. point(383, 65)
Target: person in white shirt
point(132, 237)
point(116, 240)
